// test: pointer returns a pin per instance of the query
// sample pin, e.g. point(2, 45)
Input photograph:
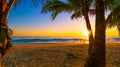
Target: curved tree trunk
point(91, 43)
point(3, 28)
point(91, 39)
point(97, 57)
point(4, 36)
point(88, 25)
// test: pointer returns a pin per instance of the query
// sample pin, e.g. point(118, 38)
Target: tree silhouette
point(78, 8)
point(5, 32)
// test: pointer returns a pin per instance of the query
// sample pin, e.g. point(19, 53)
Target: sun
point(86, 33)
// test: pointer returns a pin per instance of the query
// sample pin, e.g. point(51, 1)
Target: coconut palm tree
point(112, 20)
point(97, 57)
point(5, 32)
point(79, 8)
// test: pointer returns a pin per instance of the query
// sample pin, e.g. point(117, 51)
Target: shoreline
point(60, 44)
point(43, 45)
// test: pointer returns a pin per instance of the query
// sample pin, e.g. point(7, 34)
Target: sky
point(27, 20)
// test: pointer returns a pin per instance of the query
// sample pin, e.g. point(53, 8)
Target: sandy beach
point(56, 55)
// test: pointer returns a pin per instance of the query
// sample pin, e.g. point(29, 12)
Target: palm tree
point(112, 20)
point(79, 8)
point(97, 56)
point(5, 32)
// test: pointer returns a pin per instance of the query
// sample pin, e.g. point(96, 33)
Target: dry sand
point(56, 55)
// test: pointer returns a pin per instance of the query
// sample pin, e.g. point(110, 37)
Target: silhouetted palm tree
point(112, 20)
point(79, 8)
point(5, 32)
point(97, 59)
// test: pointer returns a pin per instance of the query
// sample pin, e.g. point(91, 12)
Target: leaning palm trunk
point(97, 57)
point(4, 30)
point(88, 25)
point(91, 39)
point(91, 42)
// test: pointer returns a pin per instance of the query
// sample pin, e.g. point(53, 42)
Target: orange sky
point(28, 21)
point(66, 28)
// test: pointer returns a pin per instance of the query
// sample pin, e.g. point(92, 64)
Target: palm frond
point(34, 2)
point(113, 19)
point(56, 7)
point(77, 15)
point(111, 4)
point(72, 6)
point(118, 28)
point(75, 3)
point(54, 14)
point(51, 5)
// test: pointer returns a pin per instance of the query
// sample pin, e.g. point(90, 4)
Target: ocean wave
point(113, 39)
point(27, 40)
point(44, 40)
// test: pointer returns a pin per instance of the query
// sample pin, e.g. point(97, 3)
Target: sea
point(37, 39)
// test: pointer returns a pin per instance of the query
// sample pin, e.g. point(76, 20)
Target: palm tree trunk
point(4, 37)
point(3, 27)
point(97, 56)
point(88, 25)
point(100, 34)
point(88, 62)
point(3, 30)
point(91, 39)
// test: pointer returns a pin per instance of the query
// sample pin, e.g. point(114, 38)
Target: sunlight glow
point(86, 33)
